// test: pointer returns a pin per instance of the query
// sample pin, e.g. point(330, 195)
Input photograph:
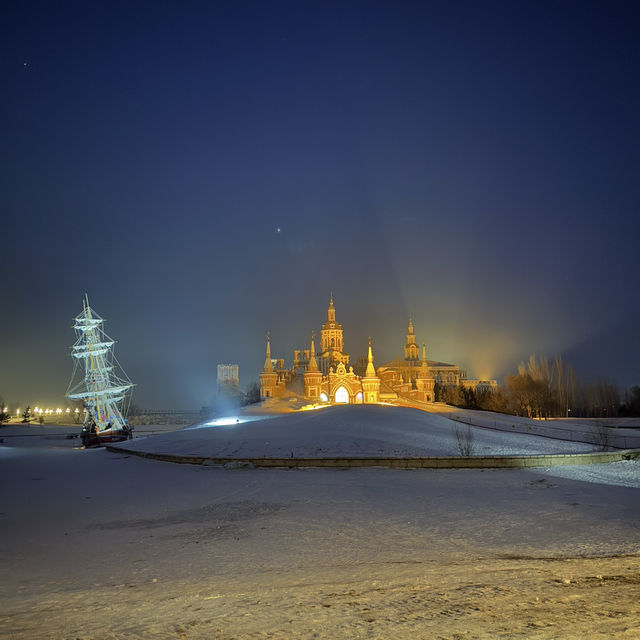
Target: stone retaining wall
point(480, 462)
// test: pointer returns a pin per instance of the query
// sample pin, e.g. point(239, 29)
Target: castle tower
point(411, 348)
point(312, 376)
point(331, 334)
point(424, 367)
point(268, 377)
point(370, 381)
point(331, 342)
point(424, 382)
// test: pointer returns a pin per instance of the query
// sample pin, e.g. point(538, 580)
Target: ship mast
point(98, 380)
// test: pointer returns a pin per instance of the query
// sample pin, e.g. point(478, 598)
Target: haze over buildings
point(210, 171)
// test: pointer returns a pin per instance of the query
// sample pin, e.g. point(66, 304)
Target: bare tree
point(541, 389)
point(464, 439)
point(559, 385)
point(4, 415)
point(529, 396)
point(252, 394)
point(601, 436)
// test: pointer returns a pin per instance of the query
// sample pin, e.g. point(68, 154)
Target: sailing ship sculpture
point(99, 381)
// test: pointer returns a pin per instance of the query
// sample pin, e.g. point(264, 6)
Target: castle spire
point(424, 367)
point(411, 351)
point(371, 370)
point(268, 365)
point(313, 365)
point(370, 382)
point(312, 376)
point(331, 311)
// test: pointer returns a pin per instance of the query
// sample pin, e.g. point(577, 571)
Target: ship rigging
point(98, 381)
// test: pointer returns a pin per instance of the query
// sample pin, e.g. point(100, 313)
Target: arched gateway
point(342, 396)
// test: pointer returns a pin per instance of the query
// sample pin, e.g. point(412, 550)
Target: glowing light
point(223, 422)
point(342, 396)
point(313, 407)
point(228, 421)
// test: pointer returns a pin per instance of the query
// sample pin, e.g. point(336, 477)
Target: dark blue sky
point(472, 164)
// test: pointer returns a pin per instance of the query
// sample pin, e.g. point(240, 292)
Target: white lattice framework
point(98, 379)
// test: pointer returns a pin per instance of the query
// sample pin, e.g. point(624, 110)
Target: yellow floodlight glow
point(313, 407)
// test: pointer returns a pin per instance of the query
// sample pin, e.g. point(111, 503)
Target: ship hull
point(92, 439)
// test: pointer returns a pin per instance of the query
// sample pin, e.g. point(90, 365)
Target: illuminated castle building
point(327, 376)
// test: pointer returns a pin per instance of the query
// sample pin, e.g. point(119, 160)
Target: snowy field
point(622, 433)
point(344, 431)
point(97, 545)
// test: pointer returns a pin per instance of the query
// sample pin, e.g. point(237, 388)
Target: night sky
point(208, 171)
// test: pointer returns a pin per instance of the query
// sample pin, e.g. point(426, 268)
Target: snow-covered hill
point(365, 430)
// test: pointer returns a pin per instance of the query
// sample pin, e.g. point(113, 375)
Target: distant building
point(327, 376)
point(228, 379)
point(480, 385)
point(323, 377)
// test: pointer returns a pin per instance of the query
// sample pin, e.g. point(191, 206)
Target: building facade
point(327, 376)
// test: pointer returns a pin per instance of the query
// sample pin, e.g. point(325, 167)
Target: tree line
point(545, 389)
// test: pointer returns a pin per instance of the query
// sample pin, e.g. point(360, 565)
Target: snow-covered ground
point(625, 473)
point(622, 433)
point(343, 431)
point(101, 545)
